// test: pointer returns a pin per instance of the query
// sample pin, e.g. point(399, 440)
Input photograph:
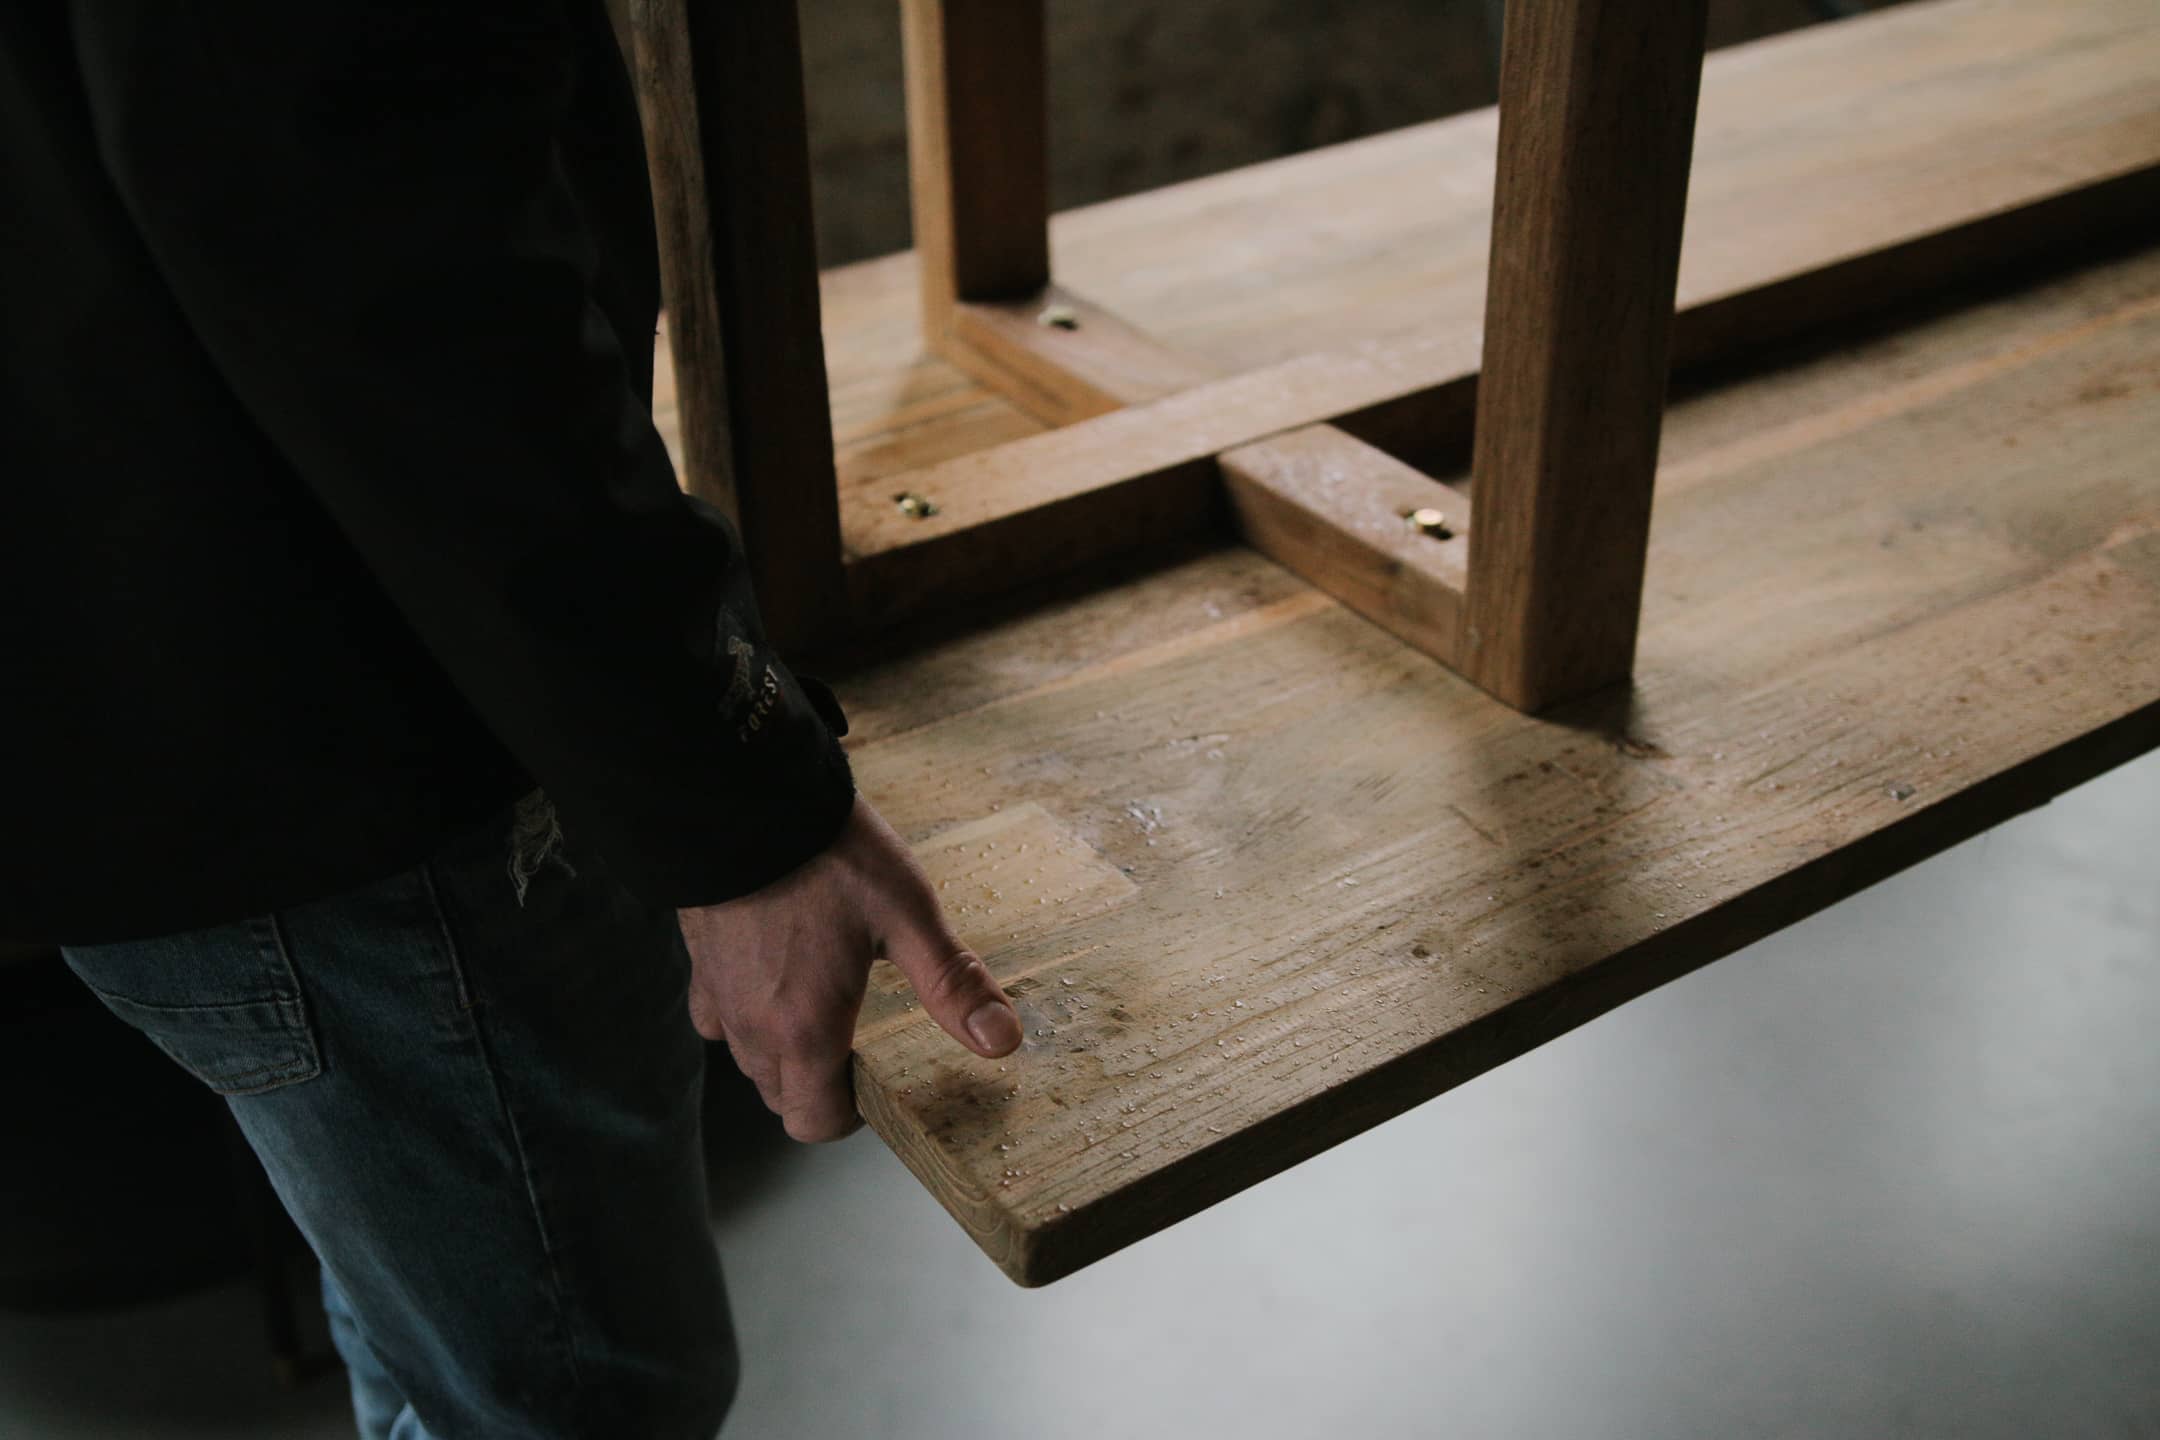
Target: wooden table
point(1259, 876)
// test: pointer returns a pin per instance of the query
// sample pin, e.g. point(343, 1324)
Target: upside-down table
point(1300, 728)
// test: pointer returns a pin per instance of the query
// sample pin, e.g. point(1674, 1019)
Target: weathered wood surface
point(1895, 595)
point(1260, 876)
point(1834, 168)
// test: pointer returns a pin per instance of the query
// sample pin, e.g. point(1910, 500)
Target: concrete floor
point(1895, 1172)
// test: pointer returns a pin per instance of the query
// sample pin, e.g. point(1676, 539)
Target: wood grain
point(1946, 611)
point(1353, 280)
point(1064, 373)
point(721, 92)
point(978, 150)
point(1322, 502)
point(1855, 136)
point(1285, 496)
point(703, 447)
point(1990, 103)
point(1597, 124)
point(1098, 470)
point(1358, 881)
point(1335, 511)
point(1596, 133)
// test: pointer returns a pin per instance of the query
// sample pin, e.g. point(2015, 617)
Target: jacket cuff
point(756, 822)
point(825, 703)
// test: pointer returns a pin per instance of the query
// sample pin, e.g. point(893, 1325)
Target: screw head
point(914, 506)
point(1428, 521)
point(1059, 317)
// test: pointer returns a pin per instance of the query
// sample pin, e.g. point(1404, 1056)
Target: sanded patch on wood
point(1365, 882)
point(1014, 869)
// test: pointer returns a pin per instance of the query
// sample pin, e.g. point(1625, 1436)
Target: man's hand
point(780, 975)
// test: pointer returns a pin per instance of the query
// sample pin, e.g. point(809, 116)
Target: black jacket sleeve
point(362, 208)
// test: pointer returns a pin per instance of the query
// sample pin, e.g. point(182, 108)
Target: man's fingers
point(819, 1095)
point(956, 988)
point(705, 1017)
point(807, 1081)
point(759, 1066)
point(954, 985)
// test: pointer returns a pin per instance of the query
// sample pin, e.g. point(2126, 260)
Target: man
point(379, 712)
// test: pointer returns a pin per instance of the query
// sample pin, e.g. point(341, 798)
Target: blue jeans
point(476, 1087)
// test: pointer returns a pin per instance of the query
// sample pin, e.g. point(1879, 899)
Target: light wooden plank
point(2021, 110)
point(1065, 359)
point(1409, 382)
point(1192, 604)
point(1990, 99)
point(1996, 100)
point(1139, 470)
point(1357, 881)
point(1960, 603)
point(1861, 133)
point(1322, 502)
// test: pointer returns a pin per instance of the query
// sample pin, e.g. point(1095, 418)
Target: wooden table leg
point(721, 88)
point(1597, 120)
point(978, 150)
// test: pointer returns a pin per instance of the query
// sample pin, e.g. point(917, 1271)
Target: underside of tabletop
point(1259, 876)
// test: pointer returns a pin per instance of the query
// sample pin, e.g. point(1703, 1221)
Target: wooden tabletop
point(1260, 877)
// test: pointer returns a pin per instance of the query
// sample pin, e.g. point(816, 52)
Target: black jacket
point(332, 516)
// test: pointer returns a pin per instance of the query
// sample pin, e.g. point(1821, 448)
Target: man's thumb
point(957, 989)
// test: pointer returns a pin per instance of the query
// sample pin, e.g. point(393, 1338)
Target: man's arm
point(360, 206)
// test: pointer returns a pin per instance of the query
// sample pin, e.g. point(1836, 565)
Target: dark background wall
point(1148, 92)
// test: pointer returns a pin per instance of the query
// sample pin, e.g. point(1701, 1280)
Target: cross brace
point(1534, 595)
point(1537, 600)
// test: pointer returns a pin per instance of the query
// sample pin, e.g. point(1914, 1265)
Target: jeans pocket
point(224, 1003)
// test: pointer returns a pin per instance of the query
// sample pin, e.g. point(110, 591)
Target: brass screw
point(1059, 317)
point(1428, 521)
point(915, 507)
